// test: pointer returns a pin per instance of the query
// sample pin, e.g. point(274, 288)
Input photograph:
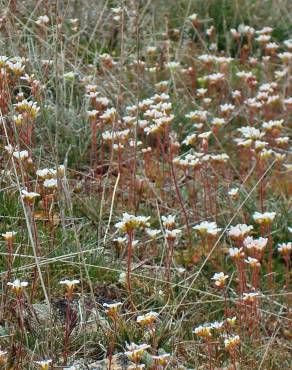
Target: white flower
point(92, 113)
point(264, 154)
point(46, 173)
point(207, 58)
point(234, 193)
point(209, 228)
point(236, 253)
point(236, 94)
point(231, 320)
point(272, 46)
point(70, 285)
point(219, 278)
point(3, 60)
point(173, 65)
point(280, 74)
point(232, 341)
point(265, 31)
point(29, 195)
point(288, 43)
point(168, 221)
point(156, 128)
point(288, 101)
point(44, 364)
point(227, 108)
point(285, 248)
point(161, 360)
point(135, 351)
point(15, 67)
point(243, 143)
point(135, 243)
point(18, 119)
point(205, 135)
point(239, 231)
point(181, 270)
point(51, 183)
point(282, 140)
point(9, 235)
point(263, 39)
point(148, 318)
point(150, 50)
point(223, 60)
point(245, 75)
point(217, 325)
point(120, 241)
point(42, 20)
point(193, 17)
point(92, 95)
point(136, 367)
point(260, 145)
point(218, 122)
point(9, 148)
point(215, 77)
point(264, 218)
point(22, 155)
point(120, 136)
point(112, 308)
point(198, 115)
point(246, 30)
point(130, 222)
point(250, 132)
point(103, 102)
point(250, 297)
point(152, 233)
point(172, 234)
point(202, 92)
point(253, 262)
point(257, 244)
point(112, 305)
point(285, 57)
point(17, 286)
point(219, 158)
point(270, 125)
point(203, 330)
point(190, 139)
point(253, 103)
